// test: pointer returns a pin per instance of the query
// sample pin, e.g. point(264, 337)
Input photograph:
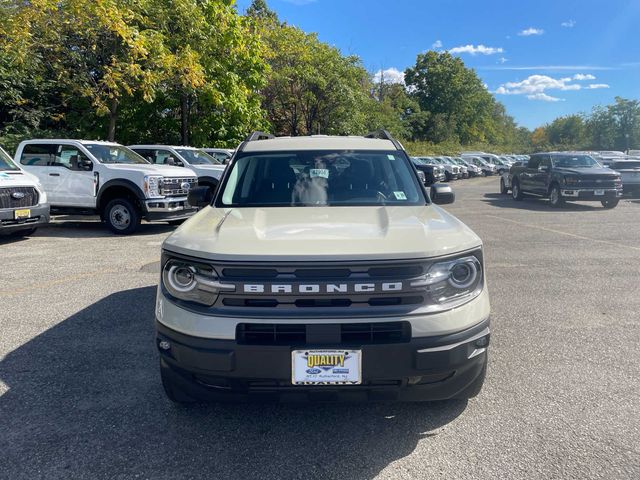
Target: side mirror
point(200, 196)
point(85, 164)
point(442, 194)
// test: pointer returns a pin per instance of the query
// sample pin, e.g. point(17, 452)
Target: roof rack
point(257, 135)
point(384, 135)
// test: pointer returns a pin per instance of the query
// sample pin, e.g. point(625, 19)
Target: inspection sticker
point(400, 195)
point(319, 172)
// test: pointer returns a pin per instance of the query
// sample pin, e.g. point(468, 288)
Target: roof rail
point(257, 135)
point(384, 135)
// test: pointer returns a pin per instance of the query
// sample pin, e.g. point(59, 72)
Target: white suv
point(208, 169)
point(89, 177)
point(322, 269)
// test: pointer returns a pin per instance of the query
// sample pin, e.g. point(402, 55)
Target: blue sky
point(542, 58)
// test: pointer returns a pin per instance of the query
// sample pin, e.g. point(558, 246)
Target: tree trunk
point(184, 119)
point(113, 116)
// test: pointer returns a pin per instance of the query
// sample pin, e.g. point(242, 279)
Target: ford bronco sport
point(322, 269)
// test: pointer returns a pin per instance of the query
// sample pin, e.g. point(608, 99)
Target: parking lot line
point(560, 232)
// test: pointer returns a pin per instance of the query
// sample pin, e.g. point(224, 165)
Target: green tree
point(566, 132)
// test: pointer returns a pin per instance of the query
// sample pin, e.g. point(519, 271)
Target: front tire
point(555, 197)
point(609, 204)
point(516, 192)
point(122, 216)
point(503, 187)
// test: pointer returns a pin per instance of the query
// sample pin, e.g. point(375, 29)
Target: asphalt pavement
point(80, 393)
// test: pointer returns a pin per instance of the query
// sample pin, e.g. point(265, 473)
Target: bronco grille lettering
point(323, 288)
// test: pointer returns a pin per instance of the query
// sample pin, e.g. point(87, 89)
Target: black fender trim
point(120, 182)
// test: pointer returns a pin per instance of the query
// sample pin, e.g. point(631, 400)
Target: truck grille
point(327, 289)
point(598, 181)
point(175, 186)
point(29, 199)
point(350, 333)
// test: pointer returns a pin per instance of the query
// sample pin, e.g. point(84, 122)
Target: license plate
point(326, 367)
point(598, 192)
point(23, 213)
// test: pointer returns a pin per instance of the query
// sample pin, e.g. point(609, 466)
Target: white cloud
point(544, 97)
point(475, 50)
point(503, 60)
point(531, 31)
point(390, 75)
point(535, 86)
point(551, 67)
point(582, 76)
point(568, 24)
point(437, 44)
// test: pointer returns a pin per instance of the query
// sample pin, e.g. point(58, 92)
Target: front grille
point(30, 198)
point(350, 333)
point(597, 181)
point(174, 186)
point(320, 289)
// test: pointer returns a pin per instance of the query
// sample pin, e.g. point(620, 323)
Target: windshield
point(322, 178)
point(5, 162)
point(114, 154)
point(575, 161)
point(197, 157)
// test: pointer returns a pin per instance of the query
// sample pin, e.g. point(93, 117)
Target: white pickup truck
point(89, 177)
point(208, 169)
point(23, 202)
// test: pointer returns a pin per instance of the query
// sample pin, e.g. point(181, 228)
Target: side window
point(37, 155)
point(69, 157)
point(545, 161)
point(164, 157)
point(534, 161)
point(148, 155)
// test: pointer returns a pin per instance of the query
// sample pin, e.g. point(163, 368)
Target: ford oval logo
point(185, 185)
point(313, 371)
point(18, 195)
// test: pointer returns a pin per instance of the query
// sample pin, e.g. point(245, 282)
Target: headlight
point(568, 180)
point(192, 281)
point(452, 282)
point(152, 185)
point(42, 194)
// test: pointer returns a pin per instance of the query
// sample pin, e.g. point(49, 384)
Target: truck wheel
point(610, 203)
point(516, 193)
point(503, 187)
point(121, 216)
point(447, 177)
point(172, 392)
point(474, 389)
point(555, 197)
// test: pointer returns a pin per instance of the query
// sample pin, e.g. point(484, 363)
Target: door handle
point(54, 174)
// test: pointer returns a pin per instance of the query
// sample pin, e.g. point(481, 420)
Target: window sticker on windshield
point(319, 172)
point(400, 195)
point(391, 157)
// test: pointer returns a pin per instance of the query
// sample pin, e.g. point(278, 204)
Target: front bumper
point(424, 368)
point(589, 193)
point(168, 208)
point(39, 216)
point(631, 189)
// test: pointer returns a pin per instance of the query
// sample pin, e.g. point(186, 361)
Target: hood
point(151, 169)
point(17, 178)
point(211, 167)
point(321, 233)
point(586, 171)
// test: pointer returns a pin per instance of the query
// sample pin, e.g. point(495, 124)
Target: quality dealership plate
point(326, 367)
point(22, 213)
point(598, 192)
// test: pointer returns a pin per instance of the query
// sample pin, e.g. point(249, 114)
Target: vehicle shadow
point(536, 204)
point(73, 227)
point(84, 399)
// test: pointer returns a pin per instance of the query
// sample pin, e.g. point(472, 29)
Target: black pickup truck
point(562, 176)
